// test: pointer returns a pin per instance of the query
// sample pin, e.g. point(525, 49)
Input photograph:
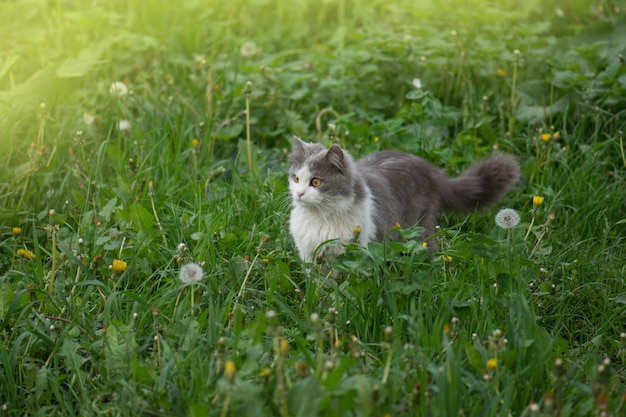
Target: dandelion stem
point(243, 284)
point(621, 146)
point(156, 216)
point(248, 138)
point(226, 402)
point(53, 266)
point(512, 103)
point(532, 222)
point(318, 121)
point(193, 298)
point(387, 366)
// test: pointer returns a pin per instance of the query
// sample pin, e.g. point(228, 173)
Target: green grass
point(523, 322)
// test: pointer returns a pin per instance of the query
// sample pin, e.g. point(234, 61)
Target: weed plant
point(145, 263)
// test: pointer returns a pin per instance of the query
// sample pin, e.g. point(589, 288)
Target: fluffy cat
point(332, 193)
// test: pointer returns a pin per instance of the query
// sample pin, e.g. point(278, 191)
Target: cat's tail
point(482, 185)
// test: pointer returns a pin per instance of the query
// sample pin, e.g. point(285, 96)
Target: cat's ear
point(297, 149)
point(336, 157)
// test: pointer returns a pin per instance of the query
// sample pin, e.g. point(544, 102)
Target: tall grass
point(107, 193)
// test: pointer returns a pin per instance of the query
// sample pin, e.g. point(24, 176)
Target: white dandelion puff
point(118, 89)
point(88, 118)
point(507, 218)
point(123, 125)
point(248, 49)
point(191, 273)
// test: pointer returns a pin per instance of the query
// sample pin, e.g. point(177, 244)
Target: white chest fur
point(317, 218)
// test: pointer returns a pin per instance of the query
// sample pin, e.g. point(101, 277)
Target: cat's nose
point(300, 194)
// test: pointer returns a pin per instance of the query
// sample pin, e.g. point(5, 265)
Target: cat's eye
point(296, 179)
point(316, 182)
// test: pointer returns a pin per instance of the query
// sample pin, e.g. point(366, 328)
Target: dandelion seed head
point(191, 273)
point(88, 118)
point(248, 49)
point(507, 218)
point(123, 125)
point(118, 89)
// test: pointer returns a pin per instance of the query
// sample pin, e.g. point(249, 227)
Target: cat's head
point(319, 177)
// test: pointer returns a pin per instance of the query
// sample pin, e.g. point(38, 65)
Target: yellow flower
point(446, 328)
point(376, 139)
point(557, 135)
point(119, 266)
point(537, 201)
point(397, 226)
point(492, 364)
point(266, 373)
point(195, 142)
point(546, 137)
point(357, 230)
point(230, 370)
point(500, 73)
point(425, 244)
point(17, 231)
point(26, 254)
point(283, 346)
point(447, 259)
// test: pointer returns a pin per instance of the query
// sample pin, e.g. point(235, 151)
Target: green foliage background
point(525, 321)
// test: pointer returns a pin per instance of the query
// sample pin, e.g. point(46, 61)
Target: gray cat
point(332, 194)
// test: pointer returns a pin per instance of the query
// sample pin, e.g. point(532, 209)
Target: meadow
point(146, 267)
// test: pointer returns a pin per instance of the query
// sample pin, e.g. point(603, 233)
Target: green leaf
point(621, 299)
point(80, 66)
point(108, 209)
point(142, 219)
point(6, 297)
point(474, 357)
point(121, 347)
point(304, 397)
point(73, 360)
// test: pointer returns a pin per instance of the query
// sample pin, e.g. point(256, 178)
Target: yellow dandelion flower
point(376, 139)
point(17, 231)
point(26, 254)
point(119, 266)
point(195, 142)
point(357, 230)
point(557, 135)
point(230, 370)
point(397, 226)
point(266, 373)
point(283, 346)
point(537, 200)
point(446, 328)
point(447, 259)
point(425, 244)
point(492, 364)
point(546, 137)
point(500, 73)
